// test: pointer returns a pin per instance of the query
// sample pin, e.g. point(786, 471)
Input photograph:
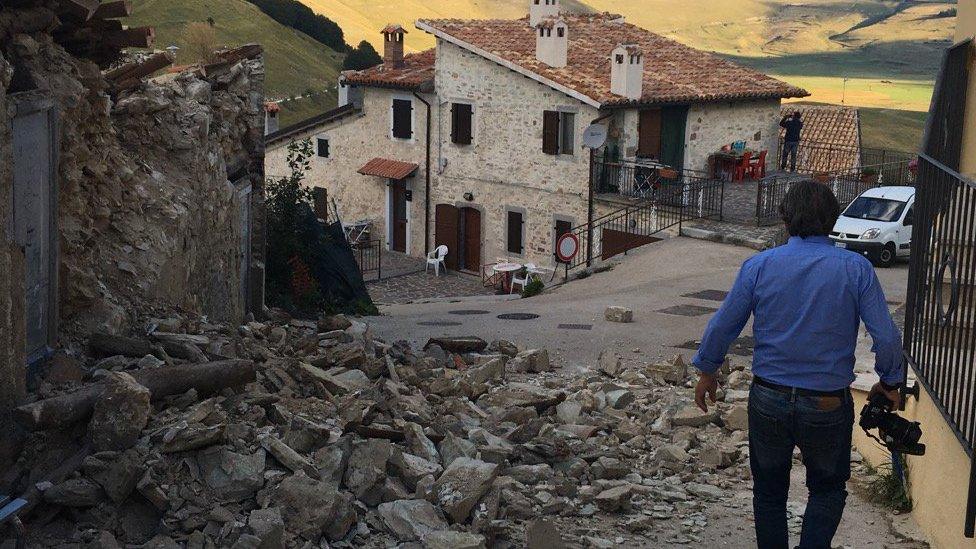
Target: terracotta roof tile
point(831, 136)
point(673, 72)
point(390, 169)
point(416, 71)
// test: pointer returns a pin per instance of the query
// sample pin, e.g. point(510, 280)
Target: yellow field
point(890, 62)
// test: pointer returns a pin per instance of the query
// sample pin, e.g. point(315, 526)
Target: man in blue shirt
point(807, 299)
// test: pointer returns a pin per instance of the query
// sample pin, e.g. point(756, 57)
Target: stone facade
point(712, 125)
point(504, 168)
point(355, 140)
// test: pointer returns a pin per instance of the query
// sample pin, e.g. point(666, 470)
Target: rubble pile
point(312, 434)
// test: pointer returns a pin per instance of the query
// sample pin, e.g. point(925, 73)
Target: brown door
point(446, 222)
point(562, 227)
point(398, 217)
point(649, 134)
point(471, 239)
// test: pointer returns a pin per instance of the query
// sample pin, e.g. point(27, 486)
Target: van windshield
point(875, 209)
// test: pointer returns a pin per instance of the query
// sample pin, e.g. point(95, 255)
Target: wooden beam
point(247, 51)
point(136, 37)
point(140, 69)
point(80, 9)
point(113, 10)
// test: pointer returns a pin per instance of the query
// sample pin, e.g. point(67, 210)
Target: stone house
point(478, 143)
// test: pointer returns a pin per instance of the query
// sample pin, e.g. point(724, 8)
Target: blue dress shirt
point(808, 298)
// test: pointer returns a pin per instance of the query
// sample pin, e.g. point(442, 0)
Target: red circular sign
point(567, 247)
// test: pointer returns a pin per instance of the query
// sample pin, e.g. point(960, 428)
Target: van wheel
point(887, 256)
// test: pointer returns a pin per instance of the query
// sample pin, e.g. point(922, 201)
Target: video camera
point(897, 433)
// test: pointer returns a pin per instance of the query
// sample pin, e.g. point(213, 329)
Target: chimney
point(552, 42)
point(393, 45)
point(541, 9)
point(271, 117)
point(627, 71)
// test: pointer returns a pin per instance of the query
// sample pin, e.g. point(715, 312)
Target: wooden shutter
point(550, 132)
point(461, 122)
point(402, 118)
point(649, 134)
point(323, 148)
point(562, 227)
point(447, 232)
point(515, 232)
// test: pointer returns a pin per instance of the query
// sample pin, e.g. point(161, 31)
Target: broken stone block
point(183, 437)
point(614, 499)
point(620, 398)
point(117, 474)
point(120, 414)
point(462, 484)
point(609, 363)
point(366, 470)
point(569, 412)
point(418, 443)
point(268, 526)
point(705, 491)
point(458, 345)
point(411, 519)
point(531, 361)
point(493, 370)
point(77, 492)
point(531, 474)
point(672, 454)
point(543, 534)
point(413, 468)
point(449, 539)
point(232, 476)
point(286, 456)
point(309, 506)
point(453, 447)
point(618, 314)
point(736, 418)
point(609, 468)
point(673, 371)
point(692, 416)
point(504, 347)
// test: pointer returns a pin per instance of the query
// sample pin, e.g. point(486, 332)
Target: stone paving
point(394, 264)
point(416, 286)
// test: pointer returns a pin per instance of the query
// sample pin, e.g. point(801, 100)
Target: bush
point(201, 42)
point(533, 288)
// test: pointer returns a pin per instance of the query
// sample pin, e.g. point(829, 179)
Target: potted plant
point(869, 176)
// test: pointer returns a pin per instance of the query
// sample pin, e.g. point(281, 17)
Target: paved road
point(651, 280)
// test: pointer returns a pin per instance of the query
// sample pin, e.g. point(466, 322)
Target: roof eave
point(420, 24)
point(624, 103)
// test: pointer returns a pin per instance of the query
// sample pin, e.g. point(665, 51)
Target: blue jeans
point(789, 150)
point(821, 427)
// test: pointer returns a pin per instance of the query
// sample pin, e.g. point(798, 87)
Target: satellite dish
point(594, 136)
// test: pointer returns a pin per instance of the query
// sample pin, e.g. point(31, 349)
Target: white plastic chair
point(436, 258)
point(521, 281)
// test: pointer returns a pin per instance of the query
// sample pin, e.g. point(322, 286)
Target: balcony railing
point(641, 180)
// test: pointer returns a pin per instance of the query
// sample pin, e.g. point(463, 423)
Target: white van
point(878, 224)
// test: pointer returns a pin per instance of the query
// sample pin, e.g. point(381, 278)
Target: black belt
point(798, 390)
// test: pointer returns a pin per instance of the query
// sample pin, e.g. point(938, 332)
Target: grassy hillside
point(295, 62)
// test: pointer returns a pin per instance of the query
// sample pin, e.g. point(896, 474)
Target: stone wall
point(504, 167)
point(355, 140)
point(12, 335)
point(147, 214)
point(711, 125)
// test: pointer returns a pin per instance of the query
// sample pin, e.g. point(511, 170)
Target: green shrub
point(534, 287)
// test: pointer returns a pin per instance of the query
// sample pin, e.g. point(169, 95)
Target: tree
point(201, 42)
point(362, 57)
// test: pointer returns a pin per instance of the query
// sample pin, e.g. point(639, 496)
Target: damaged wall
point(147, 212)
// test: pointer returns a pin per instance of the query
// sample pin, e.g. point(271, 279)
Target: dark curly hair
point(809, 209)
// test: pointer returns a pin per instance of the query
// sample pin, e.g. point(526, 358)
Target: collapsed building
point(119, 193)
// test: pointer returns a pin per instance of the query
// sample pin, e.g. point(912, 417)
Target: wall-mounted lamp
point(468, 196)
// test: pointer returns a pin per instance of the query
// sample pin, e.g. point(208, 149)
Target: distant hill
point(888, 51)
point(295, 62)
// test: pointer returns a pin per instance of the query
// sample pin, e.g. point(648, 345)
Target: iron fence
point(817, 157)
point(639, 179)
point(847, 185)
point(369, 256)
point(646, 220)
point(940, 322)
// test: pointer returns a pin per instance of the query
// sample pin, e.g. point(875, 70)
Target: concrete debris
point(438, 448)
point(618, 314)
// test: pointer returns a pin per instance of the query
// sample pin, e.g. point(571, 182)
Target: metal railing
point(847, 185)
point(369, 256)
point(645, 221)
point(817, 157)
point(639, 179)
point(940, 321)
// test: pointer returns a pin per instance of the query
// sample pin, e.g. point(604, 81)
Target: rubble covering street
point(296, 433)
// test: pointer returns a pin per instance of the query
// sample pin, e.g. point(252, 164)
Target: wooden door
point(398, 217)
point(471, 239)
point(562, 227)
point(446, 224)
point(35, 220)
point(649, 134)
point(673, 123)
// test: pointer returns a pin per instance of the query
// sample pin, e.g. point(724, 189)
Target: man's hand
point(707, 385)
point(893, 395)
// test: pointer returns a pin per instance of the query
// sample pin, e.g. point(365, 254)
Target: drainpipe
point(589, 200)
point(427, 180)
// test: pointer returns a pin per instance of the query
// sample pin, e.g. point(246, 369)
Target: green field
point(892, 129)
point(295, 62)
